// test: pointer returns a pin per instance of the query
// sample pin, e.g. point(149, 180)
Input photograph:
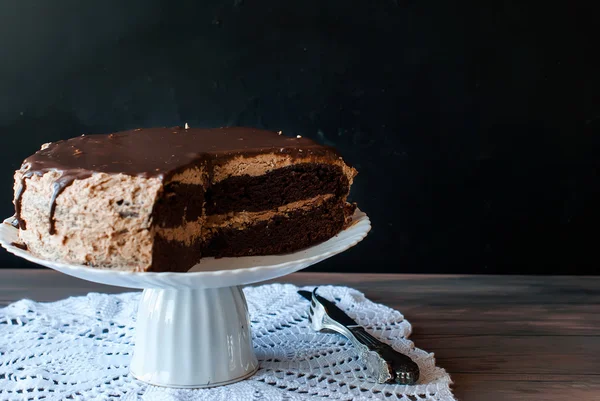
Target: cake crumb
point(298, 136)
point(45, 145)
point(111, 136)
point(279, 132)
point(137, 129)
point(187, 126)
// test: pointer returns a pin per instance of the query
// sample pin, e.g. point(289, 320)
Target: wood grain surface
point(500, 337)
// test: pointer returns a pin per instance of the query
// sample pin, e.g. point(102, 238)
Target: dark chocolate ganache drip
point(65, 180)
point(153, 152)
point(19, 197)
point(19, 245)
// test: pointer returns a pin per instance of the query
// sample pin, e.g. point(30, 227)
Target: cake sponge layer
point(276, 188)
point(282, 233)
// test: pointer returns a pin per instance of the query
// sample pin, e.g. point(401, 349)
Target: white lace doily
point(79, 349)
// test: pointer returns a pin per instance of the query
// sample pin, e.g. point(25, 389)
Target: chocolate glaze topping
point(154, 152)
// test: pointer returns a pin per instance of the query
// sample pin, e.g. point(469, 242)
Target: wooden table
point(499, 337)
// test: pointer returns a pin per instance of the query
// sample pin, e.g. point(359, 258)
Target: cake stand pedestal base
point(193, 338)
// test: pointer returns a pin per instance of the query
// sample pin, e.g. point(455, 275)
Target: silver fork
point(382, 361)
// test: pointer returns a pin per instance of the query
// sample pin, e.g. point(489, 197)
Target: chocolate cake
point(160, 199)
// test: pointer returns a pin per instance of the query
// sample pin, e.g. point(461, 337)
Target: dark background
point(475, 127)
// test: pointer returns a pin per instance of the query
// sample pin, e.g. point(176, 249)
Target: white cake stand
point(193, 328)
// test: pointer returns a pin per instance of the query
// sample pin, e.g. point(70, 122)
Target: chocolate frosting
point(154, 152)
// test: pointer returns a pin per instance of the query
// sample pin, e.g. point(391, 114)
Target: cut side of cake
point(160, 199)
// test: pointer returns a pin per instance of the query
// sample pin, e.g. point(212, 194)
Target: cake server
point(382, 361)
